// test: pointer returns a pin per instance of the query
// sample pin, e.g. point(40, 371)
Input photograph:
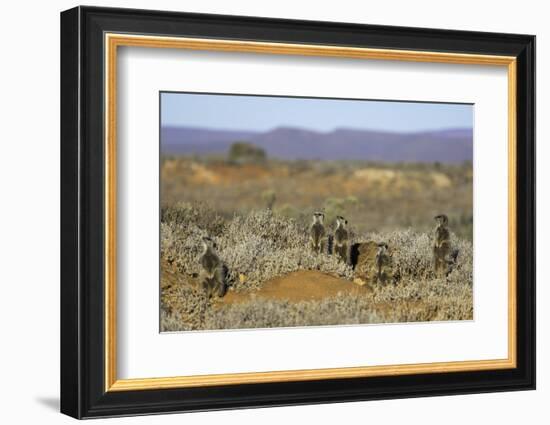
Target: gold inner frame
point(113, 41)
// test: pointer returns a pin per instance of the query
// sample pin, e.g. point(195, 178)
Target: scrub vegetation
point(267, 259)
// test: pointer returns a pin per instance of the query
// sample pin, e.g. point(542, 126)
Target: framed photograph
point(261, 212)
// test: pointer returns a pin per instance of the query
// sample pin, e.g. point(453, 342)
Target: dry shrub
point(262, 245)
point(183, 307)
point(255, 247)
point(262, 313)
point(412, 255)
point(343, 309)
point(201, 215)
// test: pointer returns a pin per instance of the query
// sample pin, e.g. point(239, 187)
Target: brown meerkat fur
point(317, 233)
point(213, 272)
point(442, 244)
point(341, 238)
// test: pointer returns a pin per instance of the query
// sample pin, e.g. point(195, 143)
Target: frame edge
point(70, 362)
point(526, 181)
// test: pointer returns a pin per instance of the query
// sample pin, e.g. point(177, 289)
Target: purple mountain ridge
point(451, 145)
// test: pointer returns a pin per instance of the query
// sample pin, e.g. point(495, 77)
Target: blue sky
point(259, 113)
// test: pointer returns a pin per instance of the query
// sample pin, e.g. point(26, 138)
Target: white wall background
point(29, 212)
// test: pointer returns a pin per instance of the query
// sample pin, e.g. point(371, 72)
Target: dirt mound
point(305, 285)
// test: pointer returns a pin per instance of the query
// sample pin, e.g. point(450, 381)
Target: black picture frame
point(83, 392)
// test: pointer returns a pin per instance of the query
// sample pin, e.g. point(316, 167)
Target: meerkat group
point(213, 275)
point(444, 258)
point(318, 236)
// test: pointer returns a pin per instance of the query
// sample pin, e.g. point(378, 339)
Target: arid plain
point(258, 211)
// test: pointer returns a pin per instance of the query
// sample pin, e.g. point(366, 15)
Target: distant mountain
point(447, 145)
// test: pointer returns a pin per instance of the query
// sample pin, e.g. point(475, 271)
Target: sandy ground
point(304, 285)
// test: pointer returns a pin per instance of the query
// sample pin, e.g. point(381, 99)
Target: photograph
point(287, 210)
point(280, 211)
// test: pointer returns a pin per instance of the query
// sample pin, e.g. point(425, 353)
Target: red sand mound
point(302, 285)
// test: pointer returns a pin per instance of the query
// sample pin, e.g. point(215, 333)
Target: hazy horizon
point(373, 130)
point(253, 113)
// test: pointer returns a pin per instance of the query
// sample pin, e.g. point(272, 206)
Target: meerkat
point(442, 244)
point(381, 260)
point(341, 238)
point(317, 234)
point(213, 271)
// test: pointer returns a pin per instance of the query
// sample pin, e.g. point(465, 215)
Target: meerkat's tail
point(454, 256)
point(451, 261)
point(330, 244)
point(354, 254)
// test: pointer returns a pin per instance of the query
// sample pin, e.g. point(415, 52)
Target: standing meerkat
point(442, 244)
point(341, 238)
point(213, 273)
point(381, 262)
point(317, 233)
